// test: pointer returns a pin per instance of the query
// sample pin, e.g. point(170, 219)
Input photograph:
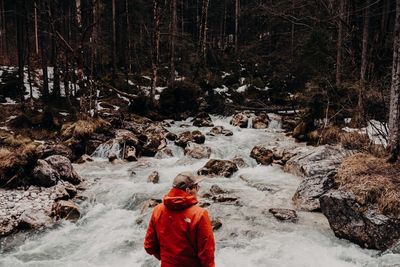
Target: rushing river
point(112, 227)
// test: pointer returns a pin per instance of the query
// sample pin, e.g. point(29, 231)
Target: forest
point(306, 93)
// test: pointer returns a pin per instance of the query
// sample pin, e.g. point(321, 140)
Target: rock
point(216, 224)
point(215, 190)
point(197, 151)
point(216, 167)
point(166, 152)
point(148, 204)
point(224, 198)
point(44, 174)
point(202, 120)
point(33, 219)
point(112, 157)
point(71, 189)
point(284, 214)
point(171, 136)
point(220, 130)
point(60, 193)
point(130, 153)
point(66, 210)
point(316, 161)
point(155, 142)
point(186, 137)
point(46, 150)
point(240, 162)
point(198, 137)
point(317, 166)
point(261, 121)
point(154, 177)
point(362, 225)
point(262, 155)
point(240, 120)
point(310, 189)
point(183, 139)
point(84, 159)
point(127, 137)
point(301, 130)
point(64, 167)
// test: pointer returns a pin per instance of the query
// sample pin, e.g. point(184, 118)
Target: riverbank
point(115, 216)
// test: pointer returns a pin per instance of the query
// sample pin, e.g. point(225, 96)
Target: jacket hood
point(177, 199)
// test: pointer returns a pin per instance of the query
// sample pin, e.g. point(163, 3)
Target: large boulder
point(363, 225)
point(203, 120)
point(66, 210)
point(64, 167)
point(186, 137)
point(316, 160)
point(261, 121)
point(197, 151)
point(262, 155)
point(216, 167)
point(33, 219)
point(310, 189)
point(44, 174)
point(46, 150)
point(240, 119)
point(317, 166)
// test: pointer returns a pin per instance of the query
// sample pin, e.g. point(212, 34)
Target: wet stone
point(284, 214)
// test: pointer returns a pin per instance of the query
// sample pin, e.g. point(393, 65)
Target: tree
point(394, 114)
point(174, 22)
point(364, 63)
point(20, 18)
point(339, 55)
point(155, 51)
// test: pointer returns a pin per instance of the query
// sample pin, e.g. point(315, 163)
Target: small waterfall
point(111, 147)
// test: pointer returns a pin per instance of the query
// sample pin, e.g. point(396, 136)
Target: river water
point(113, 224)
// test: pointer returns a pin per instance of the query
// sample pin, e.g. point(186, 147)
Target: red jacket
point(180, 232)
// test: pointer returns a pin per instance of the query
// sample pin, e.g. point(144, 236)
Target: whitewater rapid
point(112, 227)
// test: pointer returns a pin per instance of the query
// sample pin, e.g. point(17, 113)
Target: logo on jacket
point(187, 220)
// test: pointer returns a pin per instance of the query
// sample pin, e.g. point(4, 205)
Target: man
point(180, 232)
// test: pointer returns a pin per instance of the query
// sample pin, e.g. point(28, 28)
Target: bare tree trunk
point(3, 31)
point(20, 18)
point(394, 115)
point(203, 31)
point(364, 63)
point(155, 51)
point(36, 29)
point(54, 54)
point(114, 41)
point(292, 34)
point(174, 23)
point(237, 16)
point(43, 53)
point(339, 57)
point(128, 36)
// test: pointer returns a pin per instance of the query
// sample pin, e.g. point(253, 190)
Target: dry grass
point(355, 141)
point(82, 128)
point(16, 141)
point(330, 136)
point(373, 181)
point(7, 158)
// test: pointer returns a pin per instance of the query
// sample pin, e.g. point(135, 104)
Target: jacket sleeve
point(151, 244)
point(205, 242)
